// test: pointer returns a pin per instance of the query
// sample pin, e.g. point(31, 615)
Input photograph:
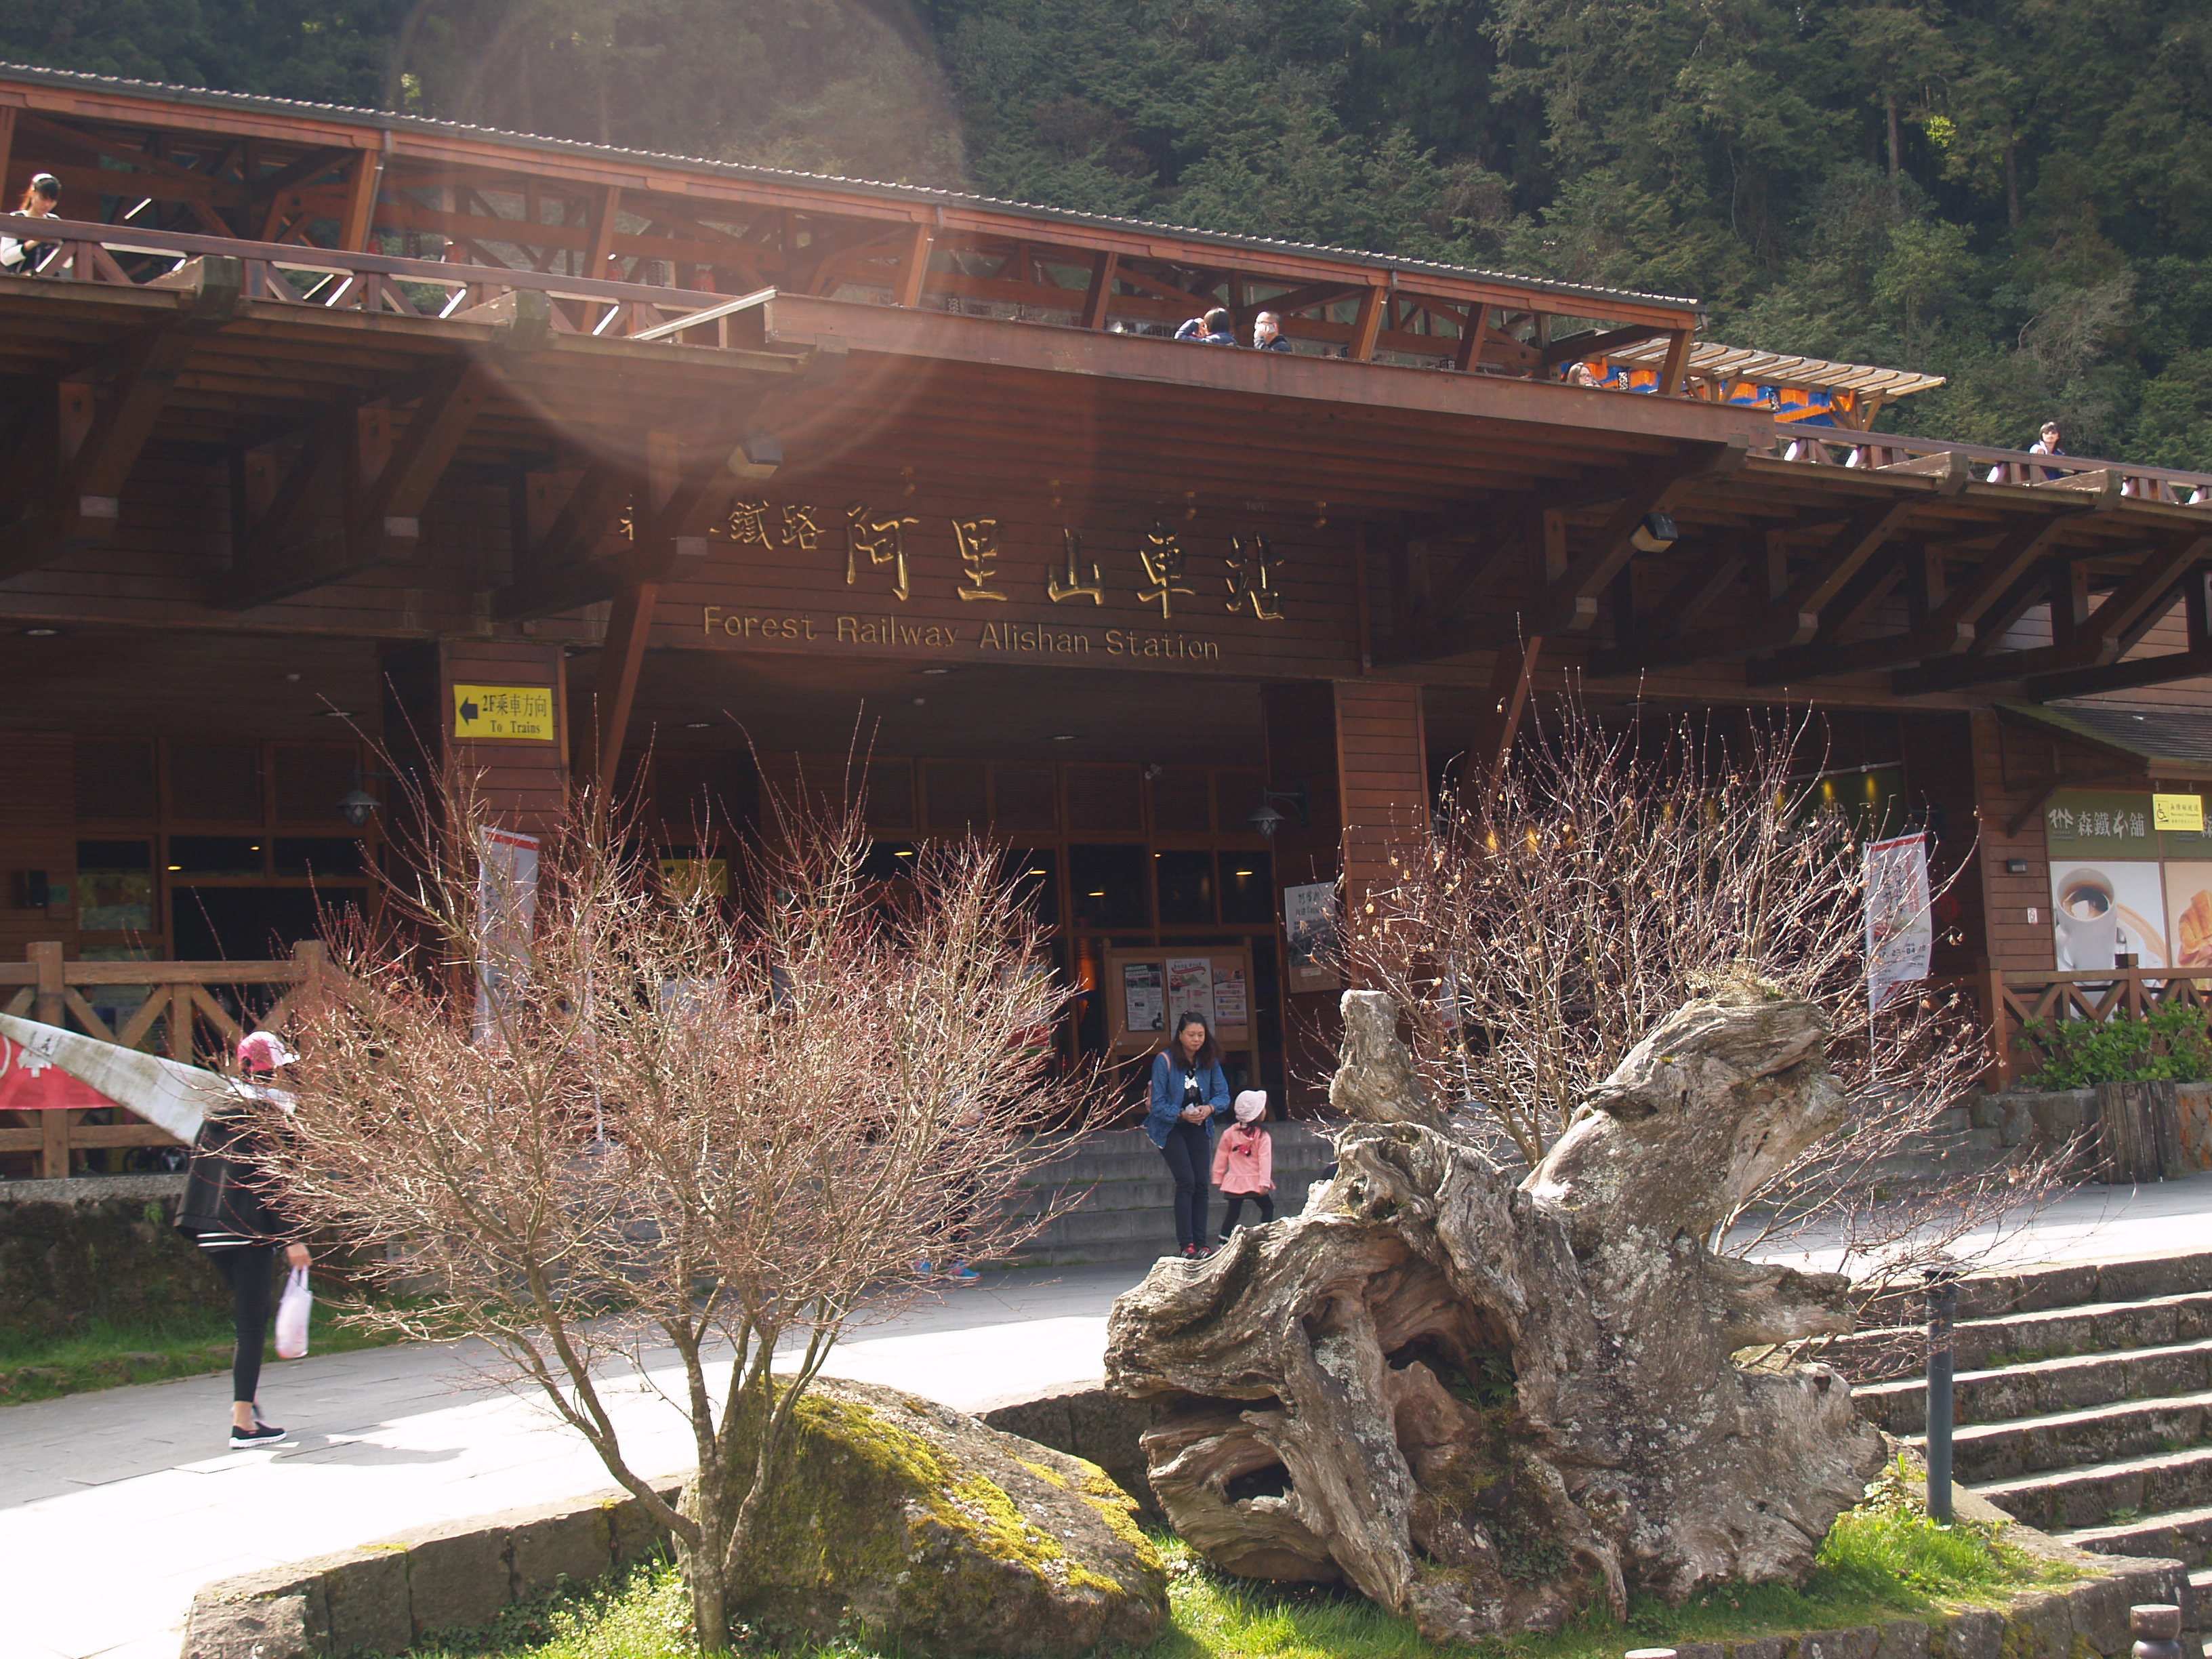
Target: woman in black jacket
point(227, 1211)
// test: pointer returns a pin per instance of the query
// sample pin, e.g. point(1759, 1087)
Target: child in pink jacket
point(1244, 1162)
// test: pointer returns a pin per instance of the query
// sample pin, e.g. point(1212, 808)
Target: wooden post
point(620, 659)
point(47, 1007)
point(1511, 673)
point(1381, 783)
point(1999, 1024)
point(603, 233)
point(360, 200)
point(1367, 326)
point(7, 151)
point(180, 1023)
point(1472, 332)
point(913, 270)
point(1099, 296)
point(1677, 360)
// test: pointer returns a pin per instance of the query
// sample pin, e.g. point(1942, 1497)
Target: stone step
point(2107, 1495)
point(1155, 1192)
point(2064, 1440)
point(2002, 1341)
point(2185, 1535)
point(1117, 1155)
point(2043, 1386)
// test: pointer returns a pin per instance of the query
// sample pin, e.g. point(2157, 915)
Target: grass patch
point(107, 1355)
point(1882, 1560)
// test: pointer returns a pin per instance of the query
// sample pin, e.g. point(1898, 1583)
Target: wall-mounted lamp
point(356, 806)
point(756, 456)
point(1267, 820)
point(1656, 534)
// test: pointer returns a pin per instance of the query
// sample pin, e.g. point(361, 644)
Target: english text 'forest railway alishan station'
point(335, 431)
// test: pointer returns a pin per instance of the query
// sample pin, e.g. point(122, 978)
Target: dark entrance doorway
point(243, 924)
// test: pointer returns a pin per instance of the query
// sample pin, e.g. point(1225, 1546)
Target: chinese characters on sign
point(505, 712)
point(1160, 570)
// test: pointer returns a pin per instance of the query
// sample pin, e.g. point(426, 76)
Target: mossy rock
point(908, 1524)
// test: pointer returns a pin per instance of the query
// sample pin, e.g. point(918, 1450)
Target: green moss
point(1043, 1473)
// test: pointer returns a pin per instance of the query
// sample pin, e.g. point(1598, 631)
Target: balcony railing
point(1833, 447)
point(333, 279)
point(193, 1011)
point(2012, 1001)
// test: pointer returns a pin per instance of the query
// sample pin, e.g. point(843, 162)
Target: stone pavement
point(116, 1507)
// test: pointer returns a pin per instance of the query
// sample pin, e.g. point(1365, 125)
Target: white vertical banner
point(507, 905)
point(1898, 930)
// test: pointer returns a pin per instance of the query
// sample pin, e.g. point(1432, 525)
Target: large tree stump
point(1487, 1405)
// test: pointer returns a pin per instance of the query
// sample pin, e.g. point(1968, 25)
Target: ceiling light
point(40, 633)
point(756, 456)
point(1101, 893)
point(937, 671)
point(176, 866)
point(1244, 872)
point(338, 713)
point(698, 726)
point(1036, 872)
point(904, 852)
point(1064, 737)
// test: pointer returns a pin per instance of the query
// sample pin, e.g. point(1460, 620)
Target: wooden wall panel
point(525, 783)
point(38, 832)
point(2010, 769)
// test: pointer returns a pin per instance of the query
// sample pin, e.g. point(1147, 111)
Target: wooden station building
point(327, 425)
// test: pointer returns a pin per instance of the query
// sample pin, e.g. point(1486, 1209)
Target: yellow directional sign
point(504, 713)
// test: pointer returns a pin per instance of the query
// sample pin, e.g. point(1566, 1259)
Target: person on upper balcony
point(20, 256)
point(1267, 333)
point(1213, 329)
point(2048, 444)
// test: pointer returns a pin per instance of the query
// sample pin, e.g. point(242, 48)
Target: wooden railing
point(2011, 1001)
point(335, 279)
point(194, 1012)
point(1833, 447)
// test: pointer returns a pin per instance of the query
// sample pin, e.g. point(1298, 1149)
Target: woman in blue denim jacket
point(1190, 1094)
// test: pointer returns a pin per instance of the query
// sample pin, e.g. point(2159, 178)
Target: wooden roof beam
point(96, 441)
point(2095, 643)
point(1570, 602)
point(2195, 659)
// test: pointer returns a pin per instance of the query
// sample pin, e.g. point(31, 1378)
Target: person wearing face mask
point(1189, 1091)
point(230, 1213)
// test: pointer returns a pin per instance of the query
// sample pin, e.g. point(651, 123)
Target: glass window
point(1111, 886)
point(1186, 888)
point(115, 886)
point(317, 855)
point(216, 855)
point(1036, 876)
point(1247, 888)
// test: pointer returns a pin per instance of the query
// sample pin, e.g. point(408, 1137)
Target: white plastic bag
point(292, 1316)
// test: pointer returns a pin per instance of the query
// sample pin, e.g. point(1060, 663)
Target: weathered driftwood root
point(1488, 1405)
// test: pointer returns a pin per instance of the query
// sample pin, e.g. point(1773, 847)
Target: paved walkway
point(116, 1507)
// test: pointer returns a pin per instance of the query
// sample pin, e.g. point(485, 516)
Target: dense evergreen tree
point(2015, 193)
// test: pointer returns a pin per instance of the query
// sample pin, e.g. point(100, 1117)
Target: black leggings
point(1190, 1153)
point(1232, 1205)
point(250, 1271)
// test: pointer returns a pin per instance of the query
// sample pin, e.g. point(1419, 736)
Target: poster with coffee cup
point(2106, 910)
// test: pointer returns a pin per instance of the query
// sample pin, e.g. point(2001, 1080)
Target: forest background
point(2013, 193)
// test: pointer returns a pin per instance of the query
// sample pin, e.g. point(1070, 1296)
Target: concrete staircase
point(2084, 1402)
point(1113, 1192)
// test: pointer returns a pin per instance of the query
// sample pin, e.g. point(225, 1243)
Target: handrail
point(180, 1012)
point(1866, 446)
point(73, 237)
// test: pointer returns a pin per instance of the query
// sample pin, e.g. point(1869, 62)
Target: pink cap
point(265, 1051)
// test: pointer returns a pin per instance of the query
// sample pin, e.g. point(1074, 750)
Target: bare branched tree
point(1562, 910)
point(595, 1116)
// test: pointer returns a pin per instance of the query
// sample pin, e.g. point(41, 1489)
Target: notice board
point(1147, 990)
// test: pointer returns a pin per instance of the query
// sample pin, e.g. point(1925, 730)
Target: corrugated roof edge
point(395, 121)
point(2145, 747)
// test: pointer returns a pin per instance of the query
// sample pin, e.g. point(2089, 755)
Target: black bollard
point(1943, 1284)
point(2156, 1627)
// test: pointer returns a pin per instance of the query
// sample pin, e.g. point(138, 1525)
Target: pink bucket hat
point(1251, 1106)
point(265, 1051)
